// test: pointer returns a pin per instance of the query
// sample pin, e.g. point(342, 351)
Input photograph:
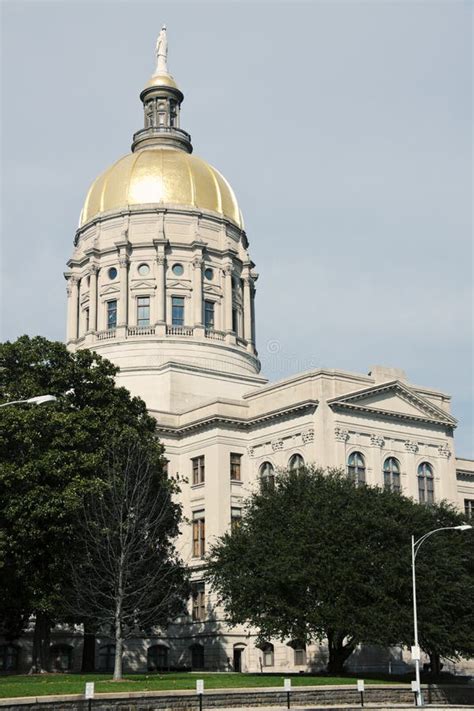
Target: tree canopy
point(51, 457)
point(319, 558)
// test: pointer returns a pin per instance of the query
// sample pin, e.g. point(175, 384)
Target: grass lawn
point(46, 684)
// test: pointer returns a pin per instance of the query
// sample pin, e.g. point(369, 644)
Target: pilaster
point(73, 307)
point(93, 297)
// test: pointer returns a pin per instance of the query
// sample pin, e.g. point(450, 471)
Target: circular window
point(143, 269)
point(112, 273)
point(209, 273)
point(177, 269)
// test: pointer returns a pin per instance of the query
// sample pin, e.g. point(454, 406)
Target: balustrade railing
point(106, 335)
point(214, 335)
point(179, 331)
point(141, 331)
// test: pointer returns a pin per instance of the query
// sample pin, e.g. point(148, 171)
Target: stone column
point(73, 307)
point(228, 297)
point(247, 309)
point(252, 315)
point(82, 321)
point(93, 298)
point(197, 291)
point(123, 302)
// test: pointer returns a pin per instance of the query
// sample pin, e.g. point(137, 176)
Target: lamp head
point(40, 399)
point(463, 527)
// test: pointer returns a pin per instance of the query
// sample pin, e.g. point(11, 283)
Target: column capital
point(93, 268)
point(197, 262)
point(160, 259)
point(124, 261)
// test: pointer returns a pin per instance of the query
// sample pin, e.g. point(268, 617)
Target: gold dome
point(161, 176)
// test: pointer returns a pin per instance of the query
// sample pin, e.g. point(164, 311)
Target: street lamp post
point(37, 400)
point(415, 547)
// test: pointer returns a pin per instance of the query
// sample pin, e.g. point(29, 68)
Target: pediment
point(112, 289)
point(142, 284)
point(393, 400)
point(178, 285)
point(208, 289)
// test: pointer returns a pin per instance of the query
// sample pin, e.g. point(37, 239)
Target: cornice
point(257, 380)
point(153, 209)
point(240, 423)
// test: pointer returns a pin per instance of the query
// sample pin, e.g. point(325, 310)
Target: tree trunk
point(339, 652)
point(118, 625)
point(118, 652)
point(88, 649)
point(41, 639)
point(435, 663)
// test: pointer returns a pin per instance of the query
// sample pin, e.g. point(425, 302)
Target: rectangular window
point(143, 311)
point(209, 314)
point(235, 321)
point(469, 508)
point(300, 657)
point(198, 470)
point(429, 490)
point(235, 519)
point(112, 314)
point(235, 460)
point(421, 490)
point(199, 534)
point(177, 310)
point(198, 601)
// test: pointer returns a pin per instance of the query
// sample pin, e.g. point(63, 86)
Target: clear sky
point(344, 128)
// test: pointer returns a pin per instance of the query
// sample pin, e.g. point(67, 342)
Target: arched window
point(268, 654)
point(267, 476)
point(197, 656)
point(425, 483)
point(157, 657)
point(107, 658)
point(299, 649)
point(356, 468)
point(60, 656)
point(296, 463)
point(391, 474)
point(8, 657)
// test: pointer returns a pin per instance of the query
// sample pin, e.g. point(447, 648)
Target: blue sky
point(343, 127)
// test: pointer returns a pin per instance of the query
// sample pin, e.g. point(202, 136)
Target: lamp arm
point(417, 544)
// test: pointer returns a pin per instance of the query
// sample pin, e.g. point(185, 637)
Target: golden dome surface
point(160, 176)
point(162, 79)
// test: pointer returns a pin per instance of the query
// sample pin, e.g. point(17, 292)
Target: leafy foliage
point(51, 457)
point(319, 558)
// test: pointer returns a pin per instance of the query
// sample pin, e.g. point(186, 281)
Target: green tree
point(318, 558)
point(51, 457)
point(445, 586)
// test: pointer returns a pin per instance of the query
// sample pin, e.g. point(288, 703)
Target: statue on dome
point(161, 52)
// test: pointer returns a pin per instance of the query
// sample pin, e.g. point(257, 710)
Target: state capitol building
point(161, 282)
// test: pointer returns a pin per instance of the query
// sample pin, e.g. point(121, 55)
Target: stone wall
point(225, 699)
